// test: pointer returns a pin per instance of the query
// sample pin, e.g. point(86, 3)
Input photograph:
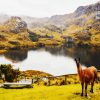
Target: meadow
point(55, 90)
point(64, 92)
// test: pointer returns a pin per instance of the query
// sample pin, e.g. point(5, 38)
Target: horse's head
point(77, 60)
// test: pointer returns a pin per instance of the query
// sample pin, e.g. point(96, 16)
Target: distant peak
point(81, 8)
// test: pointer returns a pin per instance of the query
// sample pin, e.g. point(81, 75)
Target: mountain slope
point(14, 34)
point(63, 20)
point(60, 21)
point(83, 25)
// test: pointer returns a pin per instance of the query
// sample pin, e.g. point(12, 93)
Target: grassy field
point(65, 92)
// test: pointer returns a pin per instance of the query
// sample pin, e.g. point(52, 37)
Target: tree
point(10, 73)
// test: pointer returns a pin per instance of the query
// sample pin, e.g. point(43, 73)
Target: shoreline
point(37, 45)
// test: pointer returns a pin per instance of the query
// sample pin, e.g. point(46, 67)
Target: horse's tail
point(94, 70)
point(95, 74)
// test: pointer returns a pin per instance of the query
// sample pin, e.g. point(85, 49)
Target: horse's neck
point(79, 68)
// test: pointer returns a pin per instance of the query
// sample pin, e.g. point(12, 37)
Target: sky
point(41, 8)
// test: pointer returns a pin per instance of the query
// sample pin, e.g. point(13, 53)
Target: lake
point(53, 60)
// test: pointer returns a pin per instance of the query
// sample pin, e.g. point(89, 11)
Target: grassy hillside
point(82, 25)
point(14, 41)
point(87, 33)
point(65, 92)
point(14, 35)
point(30, 73)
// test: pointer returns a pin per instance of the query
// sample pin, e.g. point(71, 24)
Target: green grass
point(66, 92)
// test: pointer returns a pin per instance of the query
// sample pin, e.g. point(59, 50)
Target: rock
point(15, 25)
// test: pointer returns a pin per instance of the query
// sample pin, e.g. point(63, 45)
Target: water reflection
point(16, 55)
point(89, 55)
point(54, 60)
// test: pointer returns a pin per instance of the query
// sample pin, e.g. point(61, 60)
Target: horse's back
point(89, 74)
point(93, 70)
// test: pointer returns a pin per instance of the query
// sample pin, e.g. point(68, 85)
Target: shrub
point(14, 42)
point(33, 37)
point(9, 73)
point(2, 37)
point(9, 77)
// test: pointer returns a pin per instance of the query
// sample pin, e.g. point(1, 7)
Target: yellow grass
point(66, 92)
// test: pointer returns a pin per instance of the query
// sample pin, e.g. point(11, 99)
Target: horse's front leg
point(82, 84)
point(86, 89)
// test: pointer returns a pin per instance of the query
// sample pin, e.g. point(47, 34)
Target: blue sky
point(41, 8)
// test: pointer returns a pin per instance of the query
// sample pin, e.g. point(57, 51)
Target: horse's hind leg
point(82, 84)
point(92, 84)
point(86, 89)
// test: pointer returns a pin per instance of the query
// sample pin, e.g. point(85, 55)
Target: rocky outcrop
point(15, 25)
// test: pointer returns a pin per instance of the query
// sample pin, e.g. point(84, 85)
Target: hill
point(83, 26)
point(30, 73)
point(14, 35)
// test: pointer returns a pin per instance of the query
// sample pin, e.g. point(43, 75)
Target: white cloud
point(41, 8)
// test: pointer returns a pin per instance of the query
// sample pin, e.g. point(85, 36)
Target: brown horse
point(86, 76)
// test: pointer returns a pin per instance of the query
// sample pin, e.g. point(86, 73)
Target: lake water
point(53, 60)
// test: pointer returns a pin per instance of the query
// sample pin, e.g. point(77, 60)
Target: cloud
point(41, 8)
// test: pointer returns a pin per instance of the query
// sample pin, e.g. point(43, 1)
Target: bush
point(2, 37)
point(9, 73)
point(9, 77)
point(14, 42)
point(33, 37)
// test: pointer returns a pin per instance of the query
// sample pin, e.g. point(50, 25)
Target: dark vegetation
point(33, 36)
point(8, 73)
